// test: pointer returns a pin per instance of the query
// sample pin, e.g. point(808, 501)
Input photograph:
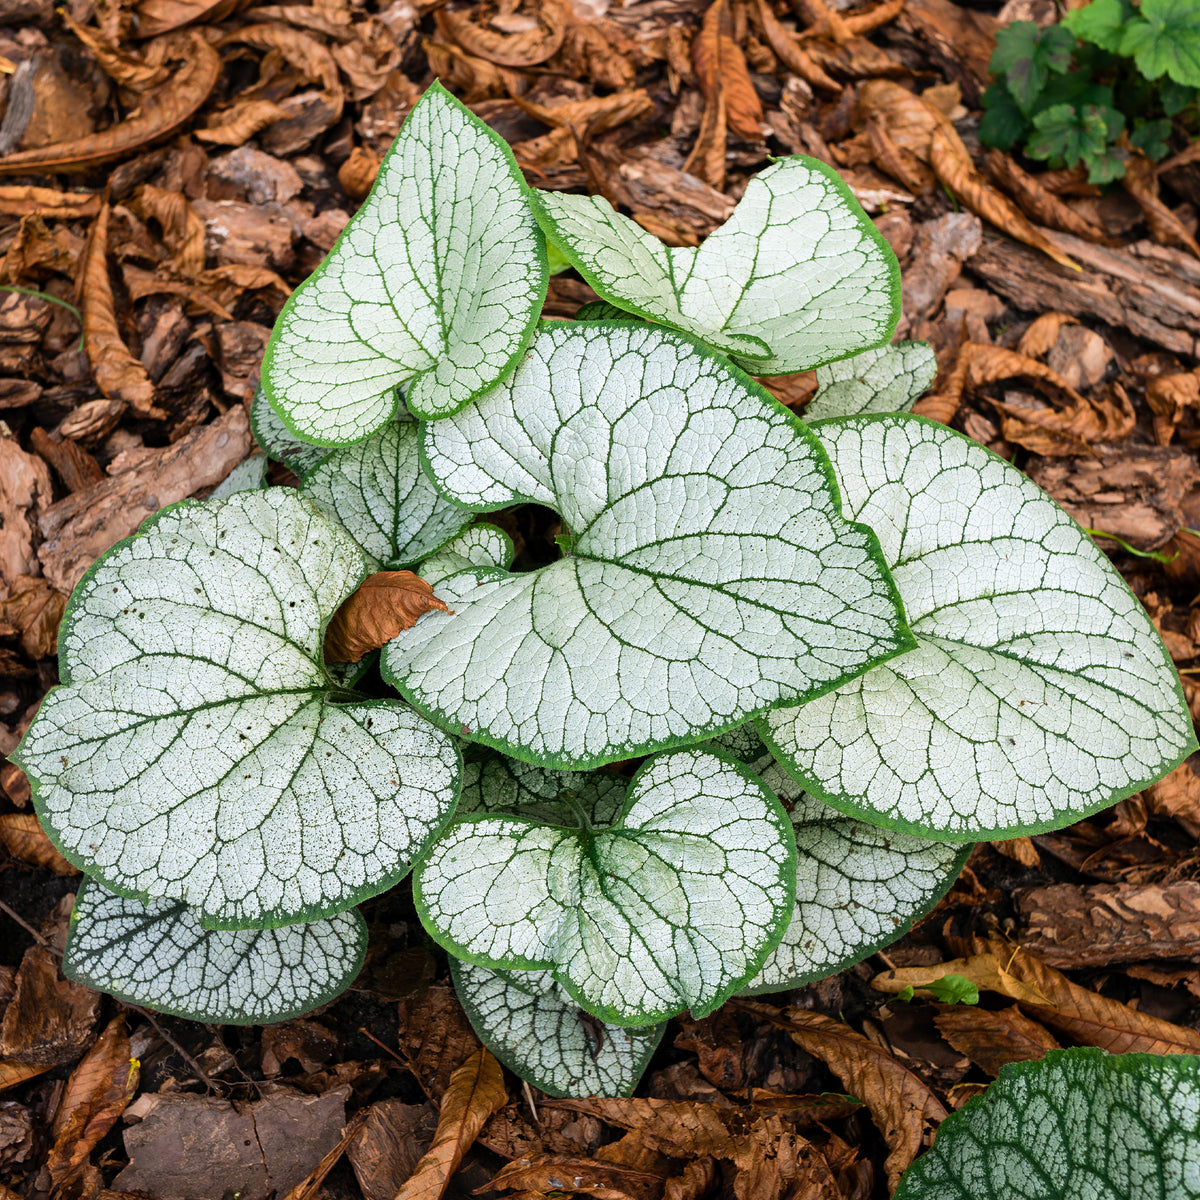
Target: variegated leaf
point(886, 379)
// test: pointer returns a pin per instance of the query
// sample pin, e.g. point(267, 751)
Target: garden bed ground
point(216, 151)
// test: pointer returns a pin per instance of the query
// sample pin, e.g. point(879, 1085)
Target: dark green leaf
point(1175, 97)
point(1064, 135)
point(1151, 137)
point(1027, 57)
point(1003, 124)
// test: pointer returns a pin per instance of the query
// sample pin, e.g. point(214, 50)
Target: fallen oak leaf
point(993, 1039)
point(525, 49)
point(384, 604)
point(476, 1091)
point(97, 1093)
point(160, 114)
point(904, 1109)
point(118, 374)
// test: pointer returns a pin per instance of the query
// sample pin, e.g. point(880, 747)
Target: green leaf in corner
point(377, 491)
point(1166, 40)
point(156, 953)
point(1039, 692)
point(193, 751)
point(435, 285)
point(858, 888)
point(712, 574)
point(536, 1030)
point(1102, 22)
point(675, 905)
point(797, 276)
point(886, 379)
point(1076, 1123)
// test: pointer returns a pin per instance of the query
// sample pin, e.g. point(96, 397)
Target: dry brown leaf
point(36, 609)
point(598, 114)
point(13, 1073)
point(1177, 797)
point(22, 200)
point(183, 230)
point(1086, 1016)
point(160, 113)
point(156, 17)
point(993, 1039)
point(580, 1176)
point(985, 971)
point(239, 123)
point(126, 70)
point(790, 52)
point(49, 1020)
point(476, 78)
point(699, 1179)
point(1141, 182)
point(357, 173)
point(601, 52)
point(1038, 203)
point(823, 22)
point(707, 157)
point(96, 1095)
point(24, 839)
point(1019, 849)
point(118, 374)
point(141, 283)
point(1069, 431)
point(722, 73)
point(901, 164)
point(1168, 396)
point(475, 1092)
point(904, 1109)
point(860, 23)
point(384, 604)
point(772, 1160)
point(509, 49)
point(37, 251)
point(1041, 335)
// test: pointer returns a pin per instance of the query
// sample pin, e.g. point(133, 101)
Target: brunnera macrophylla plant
point(741, 734)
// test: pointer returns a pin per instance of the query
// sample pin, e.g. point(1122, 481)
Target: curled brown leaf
point(523, 49)
point(118, 374)
point(160, 113)
point(1041, 205)
point(1141, 182)
point(1041, 335)
point(25, 840)
point(156, 17)
point(239, 123)
point(384, 604)
point(993, 1039)
point(904, 1109)
point(123, 68)
point(475, 1092)
point(183, 230)
point(789, 51)
point(722, 73)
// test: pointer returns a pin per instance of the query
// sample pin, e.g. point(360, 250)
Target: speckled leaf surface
point(711, 574)
point(434, 285)
point(1076, 1124)
point(481, 545)
point(858, 888)
point(538, 1031)
point(193, 751)
point(377, 491)
point(796, 277)
point(1039, 693)
point(247, 476)
point(673, 906)
point(493, 783)
point(156, 953)
point(886, 379)
point(277, 440)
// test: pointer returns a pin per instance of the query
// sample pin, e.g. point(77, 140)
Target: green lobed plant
point(741, 734)
point(1073, 92)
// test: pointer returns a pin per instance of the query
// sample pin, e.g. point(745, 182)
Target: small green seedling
point(949, 989)
point(1111, 75)
point(739, 735)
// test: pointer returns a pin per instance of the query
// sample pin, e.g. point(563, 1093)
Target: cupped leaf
point(797, 276)
point(481, 545)
point(378, 492)
point(277, 440)
point(538, 1032)
point(1039, 692)
point(886, 379)
point(495, 784)
point(194, 750)
point(673, 906)
point(711, 574)
point(156, 953)
point(858, 888)
point(247, 476)
point(1076, 1123)
point(434, 285)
